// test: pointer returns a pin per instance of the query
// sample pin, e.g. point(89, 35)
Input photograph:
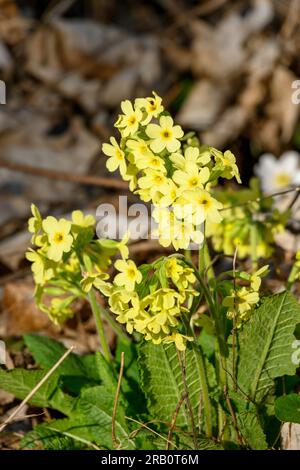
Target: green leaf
point(265, 345)
point(251, 429)
point(47, 352)
point(20, 382)
point(105, 371)
point(96, 407)
point(161, 380)
point(130, 381)
point(50, 439)
point(287, 408)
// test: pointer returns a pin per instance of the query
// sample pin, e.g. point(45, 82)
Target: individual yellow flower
point(173, 269)
point(96, 279)
point(171, 231)
point(151, 183)
point(139, 148)
point(131, 175)
point(191, 155)
point(240, 304)
point(203, 206)
point(151, 161)
point(60, 240)
point(229, 162)
point(181, 276)
point(42, 272)
point(168, 193)
point(35, 222)
point(152, 107)
point(255, 278)
point(81, 220)
point(129, 121)
point(122, 245)
point(117, 157)
point(179, 340)
point(164, 135)
point(129, 274)
point(191, 177)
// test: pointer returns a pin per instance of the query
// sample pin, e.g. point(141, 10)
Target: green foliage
point(265, 345)
point(287, 408)
point(162, 383)
point(212, 363)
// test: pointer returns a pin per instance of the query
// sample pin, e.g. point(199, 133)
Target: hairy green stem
point(97, 315)
point(205, 395)
point(114, 325)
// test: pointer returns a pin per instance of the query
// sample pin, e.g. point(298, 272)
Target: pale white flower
point(275, 174)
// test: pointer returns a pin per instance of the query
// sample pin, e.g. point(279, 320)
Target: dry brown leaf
point(20, 311)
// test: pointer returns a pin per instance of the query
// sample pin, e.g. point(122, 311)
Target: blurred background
point(224, 69)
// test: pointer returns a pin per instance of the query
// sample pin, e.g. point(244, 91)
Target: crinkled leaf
point(265, 345)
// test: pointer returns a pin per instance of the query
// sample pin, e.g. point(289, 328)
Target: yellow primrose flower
point(171, 231)
point(182, 277)
point(151, 161)
point(60, 240)
point(122, 245)
point(179, 340)
point(117, 157)
point(79, 219)
point(42, 272)
point(229, 162)
point(191, 177)
point(96, 279)
point(168, 193)
point(129, 121)
point(240, 304)
point(255, 278)
point(152, 106)
point(131, 176)
point(35, 222)
point(173, 269)
point(164, 135)
point(139, 148)
point(191, 155)
point(129, 274)
point(151, 183)
point(203, 205)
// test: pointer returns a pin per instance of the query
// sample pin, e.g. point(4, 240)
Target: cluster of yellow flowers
point(67, 260)
point(238, 222)
point(152, 300)
point(170, 170)
point(243, 299)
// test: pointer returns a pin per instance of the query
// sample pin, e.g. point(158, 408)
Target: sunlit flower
point(203, 206)
point(152, 107)
point(191, 177)
point(164, 135)
point(255, 278)
point(60, 240)
point(229, 162)
point(129, 121)
point(129, 274)
point(240, 304)
point(35, 222)
point(138, 147)
point(81, 220)
point(191, 155)
point(151, 183)
point(117, 156)
point(42, 270)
